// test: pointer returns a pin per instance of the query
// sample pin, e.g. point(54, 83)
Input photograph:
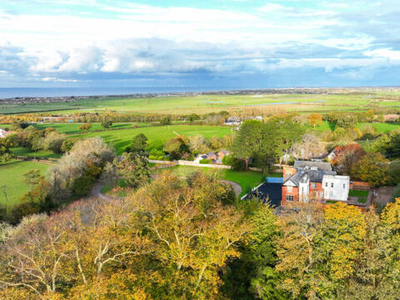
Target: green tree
point(32, 178)
point(165, 120)
point(106, 123)
point(248, 140)
point(139, 144)
point(193, 117)
point(133, 168)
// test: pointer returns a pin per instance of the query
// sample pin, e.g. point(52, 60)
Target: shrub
point(205, 161)
point(166, 121)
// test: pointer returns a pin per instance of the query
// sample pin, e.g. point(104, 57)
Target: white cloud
point(140, 39)
point(54, 79)
point(384, 53)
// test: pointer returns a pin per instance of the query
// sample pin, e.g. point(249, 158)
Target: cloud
point(127, 41)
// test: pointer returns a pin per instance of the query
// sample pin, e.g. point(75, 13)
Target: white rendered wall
point(340, 188)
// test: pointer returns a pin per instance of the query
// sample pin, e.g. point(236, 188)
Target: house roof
point(312, 171)
point(324, 166)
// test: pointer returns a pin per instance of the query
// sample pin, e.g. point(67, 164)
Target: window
point(313, 185)
point(332, 184)
point(289, 198)
point(326, 184)
point(289, 189)
point(344, 185)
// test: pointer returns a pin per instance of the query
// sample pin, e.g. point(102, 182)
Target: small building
point(200, 157)
point(4, 133)
point(313, 180)
point(233, 121)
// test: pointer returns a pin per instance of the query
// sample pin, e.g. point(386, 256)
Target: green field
point(21, 151)
point(11, 177)
point(157, 135)
point(73, 128)
point(380, 127)
point(324, 102)
point(246, 179)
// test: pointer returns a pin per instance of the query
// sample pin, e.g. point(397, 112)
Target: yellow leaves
point(342, 262)
point(346, 217)
point(391, 215)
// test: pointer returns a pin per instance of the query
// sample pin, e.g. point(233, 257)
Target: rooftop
point(324, 166)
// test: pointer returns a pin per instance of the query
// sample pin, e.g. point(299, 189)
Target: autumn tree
point(297, 249)
point(373, 168)
point(309, 146)
point(347, 156)
point(315, 120)
point(85, 127)
point(5, 152)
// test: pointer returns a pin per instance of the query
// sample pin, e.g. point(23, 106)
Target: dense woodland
point(190, 239)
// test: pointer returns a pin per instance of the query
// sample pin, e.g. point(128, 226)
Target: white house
point(336, 187)
point(3, 133)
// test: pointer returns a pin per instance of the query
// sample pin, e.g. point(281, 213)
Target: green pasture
point(11, 175)
point(157, 135)
point(380, 127)
point(213, 103)
point(73, 128)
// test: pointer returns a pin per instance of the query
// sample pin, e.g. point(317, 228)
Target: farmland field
point(157, 135)
point(323, 102)
point(380, 127)
point(11, 177)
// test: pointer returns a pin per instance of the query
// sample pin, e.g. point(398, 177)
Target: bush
point(24, 209)
point(235, 163)
point(228, 160)
point(205, 161)
point(106, 124)
point(166, 121)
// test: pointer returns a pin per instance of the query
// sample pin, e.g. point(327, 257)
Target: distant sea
point(60, 92)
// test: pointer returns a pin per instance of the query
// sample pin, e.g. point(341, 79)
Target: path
point(96, 192)
point(236, 187)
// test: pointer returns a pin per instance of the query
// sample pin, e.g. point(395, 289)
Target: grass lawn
point(247, 180)
point(157, 135)
point(358, 193)
point(11, 176)
point(362, 196)
point(21, 151)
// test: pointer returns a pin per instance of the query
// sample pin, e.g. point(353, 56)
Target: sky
point(221, 44)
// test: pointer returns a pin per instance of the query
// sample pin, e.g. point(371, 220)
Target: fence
point(360, 185)
point(189, 163)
